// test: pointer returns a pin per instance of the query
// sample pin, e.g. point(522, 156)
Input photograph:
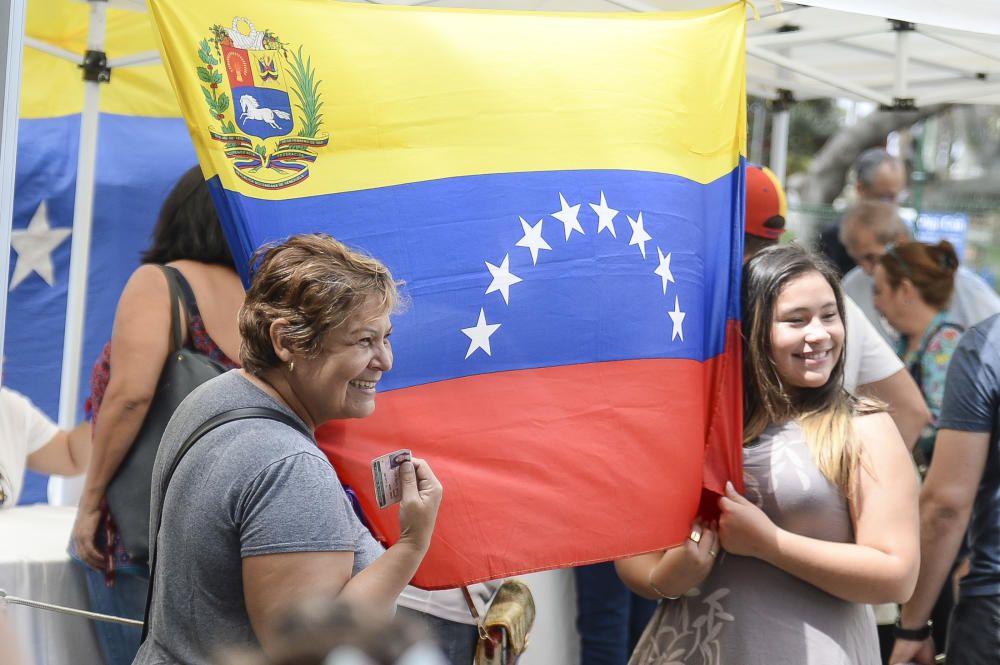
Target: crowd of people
point(871, 458)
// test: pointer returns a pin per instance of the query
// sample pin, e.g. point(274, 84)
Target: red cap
point(765, 199)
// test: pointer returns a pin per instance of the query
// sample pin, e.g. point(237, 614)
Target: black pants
point(974, 631)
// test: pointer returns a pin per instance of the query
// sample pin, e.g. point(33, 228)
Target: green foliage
point(307, 93)
point(205, 53)
point(811, 124)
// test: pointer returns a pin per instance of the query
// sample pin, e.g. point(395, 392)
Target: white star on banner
point(677, 316)
point(34, 246)
point(532, 239)
point(480, 335)
point(605, 216)
point(568, 216)
point(503, 278)
point(663, 270)
point(639, 235)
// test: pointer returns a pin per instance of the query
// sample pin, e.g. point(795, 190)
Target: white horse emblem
point(252, 111)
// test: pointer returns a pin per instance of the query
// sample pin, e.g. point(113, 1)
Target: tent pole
point(76, 298)
point(900, 83)
point(12, 27)
point(779, 143)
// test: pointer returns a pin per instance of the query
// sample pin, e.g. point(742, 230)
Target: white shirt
point(972, 301)
point(23, 430)
point(868, 357)
point(450, 604)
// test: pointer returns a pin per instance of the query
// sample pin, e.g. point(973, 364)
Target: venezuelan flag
point(142, 148)
point(562, 195)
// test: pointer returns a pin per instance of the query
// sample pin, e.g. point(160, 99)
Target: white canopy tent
point(931, 51)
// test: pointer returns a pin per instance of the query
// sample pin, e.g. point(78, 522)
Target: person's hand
point(419, 506)
point(912, 651)
point(88, 521)
point(687, 565)
point(744, 529)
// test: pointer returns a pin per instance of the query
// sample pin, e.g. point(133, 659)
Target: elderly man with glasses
point(866, 231)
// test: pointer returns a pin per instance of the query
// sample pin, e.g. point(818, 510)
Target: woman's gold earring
point(291, 366)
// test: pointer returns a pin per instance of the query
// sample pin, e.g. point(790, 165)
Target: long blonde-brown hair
point(825, 412)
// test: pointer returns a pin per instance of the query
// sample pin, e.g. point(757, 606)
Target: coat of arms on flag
point(269, 143)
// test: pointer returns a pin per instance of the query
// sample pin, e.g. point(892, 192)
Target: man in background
point(866, 230)
point(880, 177)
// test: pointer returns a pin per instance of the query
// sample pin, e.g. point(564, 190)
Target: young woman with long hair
point(828, 521)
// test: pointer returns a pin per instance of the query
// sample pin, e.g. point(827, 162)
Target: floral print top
point(929, 365)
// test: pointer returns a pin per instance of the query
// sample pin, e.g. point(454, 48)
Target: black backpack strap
point(186, 292)
point(172, 275)
point(230, 416)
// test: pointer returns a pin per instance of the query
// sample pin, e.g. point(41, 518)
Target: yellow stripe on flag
point(414, 94)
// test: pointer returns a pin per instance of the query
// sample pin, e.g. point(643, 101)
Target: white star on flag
point(677, 316)
point(605, 216)
point(502, 278)
point(663, 270)
point(532, 239)
point(480, 335)
point(34, 246)
point(568, 216)
point(639, 235)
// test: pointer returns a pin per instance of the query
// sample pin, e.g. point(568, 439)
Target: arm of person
point(672, 572)
point(272, 583)
point(140, 343)
point(906, 405)
point(881, 565)
point(945, 505)
point(65, 454)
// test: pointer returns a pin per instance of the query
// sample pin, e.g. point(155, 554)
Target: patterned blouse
point(929, 365)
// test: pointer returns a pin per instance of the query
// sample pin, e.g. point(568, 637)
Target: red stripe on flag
point(551, 467)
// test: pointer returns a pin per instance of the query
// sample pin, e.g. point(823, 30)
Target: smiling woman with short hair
point(254, 518)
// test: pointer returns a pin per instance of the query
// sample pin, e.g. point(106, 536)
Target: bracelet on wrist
point(659, 593)
point(912, 634)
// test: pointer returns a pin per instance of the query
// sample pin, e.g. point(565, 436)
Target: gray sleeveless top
point(748, 612)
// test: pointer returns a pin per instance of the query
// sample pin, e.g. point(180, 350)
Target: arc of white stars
point(533, 239)
point(677, 316)
point(503, 278)
point(639, 235)
point(479, 335)
point(34, 246)
point(663, 270)
point(605, 216)
point(568, 216)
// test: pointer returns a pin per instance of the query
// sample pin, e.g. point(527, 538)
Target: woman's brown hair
point(931, 269)
point(314, 282)
point(825, 412)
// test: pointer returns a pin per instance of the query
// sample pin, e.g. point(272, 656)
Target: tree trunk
point(828, 170)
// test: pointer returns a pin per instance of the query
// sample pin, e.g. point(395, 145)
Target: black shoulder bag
point(232, 415)
point(128, 491)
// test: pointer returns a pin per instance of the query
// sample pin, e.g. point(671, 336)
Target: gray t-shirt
point(748, 612)
point(247, 488)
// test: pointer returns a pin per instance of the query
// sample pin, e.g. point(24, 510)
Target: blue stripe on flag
point(592, 297)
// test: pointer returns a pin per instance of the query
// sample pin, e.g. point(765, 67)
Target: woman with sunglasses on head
point(914, 283)
point(826, 527)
